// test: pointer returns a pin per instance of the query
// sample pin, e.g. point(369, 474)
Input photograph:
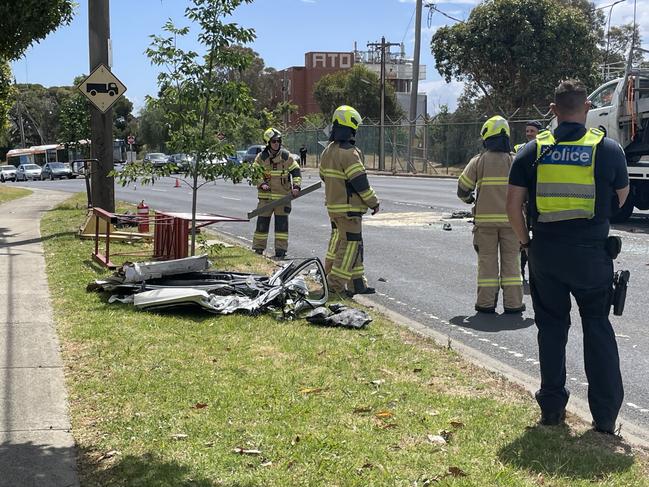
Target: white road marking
point(631, 405)
point(229, 198)
point(158, 190)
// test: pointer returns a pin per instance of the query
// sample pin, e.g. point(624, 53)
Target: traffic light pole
point(101, 124)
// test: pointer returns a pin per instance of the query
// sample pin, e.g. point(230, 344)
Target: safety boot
point(280, 253)
point(259, 251)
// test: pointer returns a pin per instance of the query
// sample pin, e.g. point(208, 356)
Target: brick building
point(298, 81)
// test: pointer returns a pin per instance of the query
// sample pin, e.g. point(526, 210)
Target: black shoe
point(553, 419)
point(366, 290)
point(259, 251)
point(280, 254)
point(604, 428)
point(511, 311)
point(481, 309)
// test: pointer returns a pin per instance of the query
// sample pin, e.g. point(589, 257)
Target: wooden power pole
point(414, 87)
point(101, 124)
point(382, 46)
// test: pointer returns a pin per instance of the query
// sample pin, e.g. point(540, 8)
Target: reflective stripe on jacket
point(347, 189)
point(565, 177)
point(488, 175)
point(278, 173)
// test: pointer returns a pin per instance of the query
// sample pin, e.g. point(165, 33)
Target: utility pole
point(101, 124)
point(382, 45)
point(415, 86)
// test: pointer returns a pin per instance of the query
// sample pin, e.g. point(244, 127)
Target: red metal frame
point(172, 230)
point(103, 259)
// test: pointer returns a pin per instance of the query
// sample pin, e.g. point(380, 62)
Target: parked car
point(156, 158)
point(25, 172)
point(56, 170)
point(181, 160)
point(7, 173)
point(252, 152)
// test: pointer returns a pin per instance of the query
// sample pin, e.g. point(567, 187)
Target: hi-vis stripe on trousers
point(344, 259)
point(263, 226)
point(488, 241)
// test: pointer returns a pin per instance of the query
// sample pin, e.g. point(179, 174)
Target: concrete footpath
point(36, 446)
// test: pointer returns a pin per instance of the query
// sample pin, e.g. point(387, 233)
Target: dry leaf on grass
point(179, 436)
point(199, 405)
point(417, 370)
point(377, 382)
point(311, 390)
point(384, 414)
point(295, 440)
point(108, 454)
point(457, 424)
point(456, 472)
point(388, 426)
point(362, 409)
point(246, 451)
point(436, 439)
point(267, 464)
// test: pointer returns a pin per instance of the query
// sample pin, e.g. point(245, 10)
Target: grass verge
point(8, 194)
point(192, 399)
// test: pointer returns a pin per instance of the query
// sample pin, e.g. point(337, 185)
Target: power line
point(432, 7)
point(410, 22)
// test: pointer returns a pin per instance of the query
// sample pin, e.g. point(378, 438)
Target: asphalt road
point(429, 274)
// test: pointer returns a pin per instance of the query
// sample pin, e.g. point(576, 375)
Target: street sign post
point(102, 88)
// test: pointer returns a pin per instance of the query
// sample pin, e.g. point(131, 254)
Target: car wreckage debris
point(339, 315)
point(298, 285)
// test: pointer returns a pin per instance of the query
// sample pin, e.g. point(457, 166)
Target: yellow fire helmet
point(347, 116)
point(271, 133)
point(496, 125)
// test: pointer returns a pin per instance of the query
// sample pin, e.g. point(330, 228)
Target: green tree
point(512, 53)
point(199, 103)
point(6, 91)
point(23, 22)
point(358, 87)
point(154, 132)
point(616, 43)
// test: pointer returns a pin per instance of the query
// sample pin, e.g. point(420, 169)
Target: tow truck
point(620, 107)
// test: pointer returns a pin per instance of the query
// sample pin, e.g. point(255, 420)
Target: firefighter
point(574, 180)
point(281, 176)
point(348, 195)
point(487, 176)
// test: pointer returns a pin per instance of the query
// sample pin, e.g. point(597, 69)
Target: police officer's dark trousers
point(559, 268)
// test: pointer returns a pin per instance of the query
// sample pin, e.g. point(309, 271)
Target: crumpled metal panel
point(289, 290)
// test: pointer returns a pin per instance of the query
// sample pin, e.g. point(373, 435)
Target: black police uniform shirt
point(610, 174)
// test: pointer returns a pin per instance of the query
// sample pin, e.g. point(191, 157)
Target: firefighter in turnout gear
point(487, 176)
point(348, 195)
point(281, 176)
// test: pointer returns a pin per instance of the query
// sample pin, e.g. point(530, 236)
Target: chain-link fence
point(439, 147)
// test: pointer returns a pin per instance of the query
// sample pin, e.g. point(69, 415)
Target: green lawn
point(191, 399)
point(7, 193)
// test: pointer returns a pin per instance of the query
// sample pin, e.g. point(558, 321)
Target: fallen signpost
point(286, 199)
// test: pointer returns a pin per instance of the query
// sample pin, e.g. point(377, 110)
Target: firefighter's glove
point(295, 191)
point(264, 187)
point(375, 210)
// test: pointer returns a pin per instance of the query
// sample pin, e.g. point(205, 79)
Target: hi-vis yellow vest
point(565, 177)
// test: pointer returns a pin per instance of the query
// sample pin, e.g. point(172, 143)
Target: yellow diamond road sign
point(102, 88)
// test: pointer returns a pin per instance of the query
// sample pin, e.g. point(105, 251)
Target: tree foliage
point(358, 87)
point(23, 22)
point(512, 53)
point(199, 102)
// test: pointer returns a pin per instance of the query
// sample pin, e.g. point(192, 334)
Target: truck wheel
point(625, 212)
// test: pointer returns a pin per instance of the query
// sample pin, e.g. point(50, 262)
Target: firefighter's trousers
point(344, 259)
point(263, 226)
point(488, 242)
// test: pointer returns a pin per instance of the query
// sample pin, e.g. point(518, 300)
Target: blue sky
point(285, 29)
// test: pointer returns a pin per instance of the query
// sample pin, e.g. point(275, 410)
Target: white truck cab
point(620, 107)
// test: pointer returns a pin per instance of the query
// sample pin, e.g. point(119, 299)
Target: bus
point(37, 154)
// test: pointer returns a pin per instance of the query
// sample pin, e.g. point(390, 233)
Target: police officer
point(348, 195)
point(487, 175)
point(575, 179)
point(281, 176)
